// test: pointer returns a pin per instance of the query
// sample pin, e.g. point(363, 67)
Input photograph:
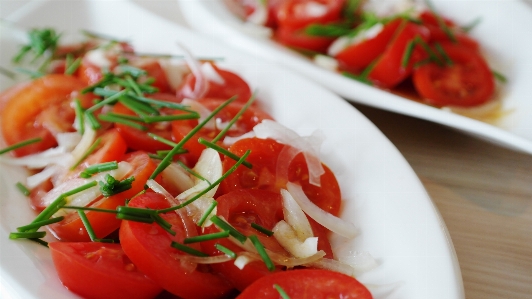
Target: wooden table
point(483, 192)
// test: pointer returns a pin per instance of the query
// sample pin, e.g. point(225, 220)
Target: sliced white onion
point(175, 70)
point(205, 260)
point(295, 217)
point(177, 176)
point(334, 265)
point(287, 237)
point(68, 140)
point(40, 177)
point(85, 143)
point(361, 261)
point(331, 222)
point(203, 111)
point(201, 84)
point(56, 155)
point(98, 57)
point(228, 140)
point(260, 14)
point(309, 145)
point(326, 62)
point(243, 259)
point(211, 74)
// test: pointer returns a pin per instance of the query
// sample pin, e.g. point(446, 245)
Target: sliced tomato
point(233, 85)
point(307, 284)
point(267, 161)
point(45, 99)
point(298, 39)
point(356, 57)
point(148, 246)
point(241, 208)
point(388, 70)
point(139, 139)
point(251, 117)
point(112, 148)
point(154, 70)
point(467, 82)
point(301, 13)
point(72, 228)
point(438, 34)
point(89, 72)
point(100, 270)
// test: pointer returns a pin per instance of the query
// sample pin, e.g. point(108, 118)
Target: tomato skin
point(148, 246)
point(355, 58)
point(100, 270)
point(72, 228)
point(468, 82)
point(295, 13)
point(265, 158)
point(233, 85)
point(88, 72)
point(251, 117)
point(154, 70)
point(307, 284)
point(388, 71)
point(240, 208)
point(298, 39)
point(18, 118)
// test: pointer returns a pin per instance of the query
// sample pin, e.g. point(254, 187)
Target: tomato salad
point(415, 52)
point(156, 184)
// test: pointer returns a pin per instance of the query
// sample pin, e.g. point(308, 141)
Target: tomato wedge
point(467, 82)
point(388, 70)
point(72, 228)
point(27, 115)
point(266, 157)
point(100, 270)
point(301, 13)
point(298, 39)
point(307, 284)
point(148, 246)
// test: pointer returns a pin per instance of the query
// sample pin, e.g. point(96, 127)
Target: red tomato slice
point(148, 246)
point(23, 114)
point(388, 71)
point(72, 229)
point(265, 158)
point(299, 40)
point(154, 70)
point(100, 270)
point(467, 82)
point(251, 117)
point(241, 208)
point(301, 13)
point(233, 85)
point(307, 284)
point(437, 34)
point(355, 58)
point(88, 72)
point(112, 148)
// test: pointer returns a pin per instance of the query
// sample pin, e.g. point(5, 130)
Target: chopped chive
point(441, 22)
point(281, 292)
point(188, 249)
point(160, 118)
point(41, 242)
point(192, 172)
point(121, 120)
point(235, 118)
point(446, 57)
point(125, 116)
point(19, 145)
point(262, 229)
point(227, 227)
point(72, 66)
point(80, 189)
point(128, 217)
point(109, 100)
point(91, 149)
point(211, 186)
point(88, 226)
point(91, 209)
point(166, 161)
point(132, 71)
point(472, 25)
point(207, 237)
point(160, 103)
point(207, 213)
point(50, 210)
point(408, 53)
point(223, 151)
point(136, 211)
point(33, 74)
point(225, 250)
point(140, 108)
point(134, 85)
point(162, 139)
point(23, 189)
point(97, 168)
point(27, 235)
point(39, 224)
point(80, 114)
point(112, 186)
point(499, 76)
point(329, 30)
point(92, 120)
point(262, 252)
point(426, 47)
point(10, 74)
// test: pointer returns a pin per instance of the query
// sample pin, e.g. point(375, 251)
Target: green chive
point(446, 57)
point(473, 24)
point(408, 53)
point(160, 118)
point(112, 186)
point(163, 224)
point(97, 168)
point(19, 145)
point(207, 213)
point(80, 113)
point(140, 108)
point(23, 189)
point(207, 237)
point(219, 222)
point(262, 252)
point(499, 76)
point(283, 294)
point(188, 249)
point(162, 139)
point(223, 151)
point(92, 120)
point(262, 229)
point(72, 66)
point(192, 172)
point(225, 250)
point(123, 121)
point(87, 225)
point(106, 101)
point(39, 224)
point(27, 235)
point(41, 242)
point(91, 209)
point(135, 218)
point(441, 22)
point(235, 118)
point(10, 74)
point(160, 103)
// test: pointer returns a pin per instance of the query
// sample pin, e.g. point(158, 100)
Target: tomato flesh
point(100, 270)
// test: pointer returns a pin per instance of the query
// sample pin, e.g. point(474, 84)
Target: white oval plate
point(399, 223)
point(504, 34)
